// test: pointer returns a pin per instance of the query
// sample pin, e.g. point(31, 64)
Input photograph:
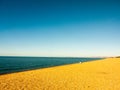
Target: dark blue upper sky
point(60, 27)
point(26, 13)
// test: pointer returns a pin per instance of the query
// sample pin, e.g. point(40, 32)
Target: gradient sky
point(60, 28)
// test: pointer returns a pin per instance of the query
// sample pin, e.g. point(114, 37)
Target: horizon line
point(59, 56)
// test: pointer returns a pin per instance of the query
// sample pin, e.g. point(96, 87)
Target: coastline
point(94, 75)
point(20, 64)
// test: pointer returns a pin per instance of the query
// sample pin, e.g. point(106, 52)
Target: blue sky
point(74, 28)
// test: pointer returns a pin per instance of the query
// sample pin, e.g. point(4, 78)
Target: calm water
point(15, 64)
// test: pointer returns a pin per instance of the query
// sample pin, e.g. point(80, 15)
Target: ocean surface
point(16, 64)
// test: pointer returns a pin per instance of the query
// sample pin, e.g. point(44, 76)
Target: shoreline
point(20, 64)
point(92, 75)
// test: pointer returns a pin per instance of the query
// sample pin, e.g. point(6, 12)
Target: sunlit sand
point(95, 75)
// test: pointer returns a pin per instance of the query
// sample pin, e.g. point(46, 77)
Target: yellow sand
point(95, 75)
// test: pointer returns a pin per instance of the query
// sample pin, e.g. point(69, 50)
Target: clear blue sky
point(60, 28)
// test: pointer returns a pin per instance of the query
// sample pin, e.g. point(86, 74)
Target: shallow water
point(15, 64)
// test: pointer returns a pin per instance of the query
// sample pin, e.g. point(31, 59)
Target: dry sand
point(95, 75)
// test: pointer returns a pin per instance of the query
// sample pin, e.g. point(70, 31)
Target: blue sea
point(15, 64)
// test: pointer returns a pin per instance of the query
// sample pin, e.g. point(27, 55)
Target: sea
point(11, 64)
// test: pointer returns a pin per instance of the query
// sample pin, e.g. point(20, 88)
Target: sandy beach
point(95, 75)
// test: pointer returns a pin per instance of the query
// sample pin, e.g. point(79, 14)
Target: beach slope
point(95, 75)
